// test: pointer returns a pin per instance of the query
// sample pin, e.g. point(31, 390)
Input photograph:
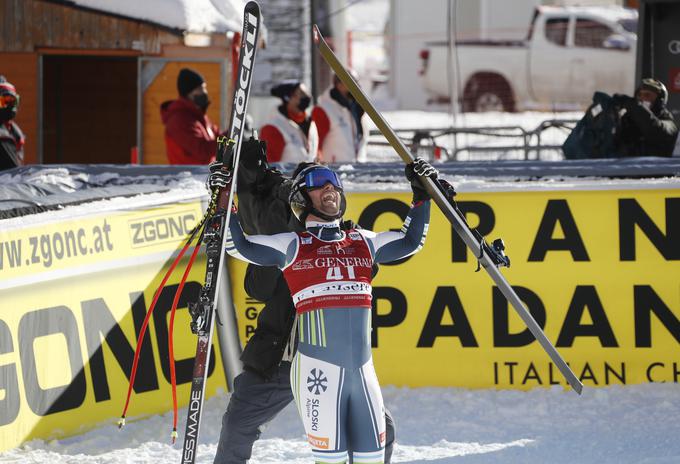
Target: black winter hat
point(285, 89)
point(188, 80)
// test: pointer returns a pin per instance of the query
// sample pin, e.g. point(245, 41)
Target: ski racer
point(328, 271)
point(263, 390)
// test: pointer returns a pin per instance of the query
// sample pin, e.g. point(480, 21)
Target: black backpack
point(596, 134)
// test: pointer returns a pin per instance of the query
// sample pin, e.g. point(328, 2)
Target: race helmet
point(310, 177)
point(657, 87)
point(9, 100)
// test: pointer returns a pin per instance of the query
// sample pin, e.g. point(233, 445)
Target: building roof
point(207, 16)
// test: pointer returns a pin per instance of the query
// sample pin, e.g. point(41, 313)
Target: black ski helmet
point(657, 87)
point(312, 175)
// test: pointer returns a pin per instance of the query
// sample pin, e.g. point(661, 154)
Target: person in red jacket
point(290, 134)
point(190, 136)
point(11, 138)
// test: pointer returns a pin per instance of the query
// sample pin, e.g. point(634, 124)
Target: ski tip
point(121, 422)
point(316, 34)
point(578, 388)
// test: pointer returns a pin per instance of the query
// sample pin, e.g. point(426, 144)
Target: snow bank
point(187, 15)
point(617, 424)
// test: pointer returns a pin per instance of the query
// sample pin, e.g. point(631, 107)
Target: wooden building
point(92, 82)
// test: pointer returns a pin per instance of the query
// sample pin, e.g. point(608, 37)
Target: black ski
point(491, 257)
point(214, 234)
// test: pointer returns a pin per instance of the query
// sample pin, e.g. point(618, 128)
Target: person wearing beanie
point(342, 125)
point(289, 132)
point(647, 127)
point(190, 136)
point(11, 138)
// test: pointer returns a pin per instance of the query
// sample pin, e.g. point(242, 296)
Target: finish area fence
point(543, 142)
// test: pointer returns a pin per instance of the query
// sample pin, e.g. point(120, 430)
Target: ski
point(214, 235)
point(490, 257)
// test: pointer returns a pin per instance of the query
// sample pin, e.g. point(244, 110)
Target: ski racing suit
point(328, 271)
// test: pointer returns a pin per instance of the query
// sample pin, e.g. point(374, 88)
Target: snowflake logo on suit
point(317, 381)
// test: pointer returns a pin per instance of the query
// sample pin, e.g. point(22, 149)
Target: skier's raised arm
point(390, 246)
point(265, 250)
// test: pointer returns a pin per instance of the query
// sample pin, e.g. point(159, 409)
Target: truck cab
point(568, 54)
point(575, 51)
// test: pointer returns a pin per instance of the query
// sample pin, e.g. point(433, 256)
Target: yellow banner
point(598, 269)
point(73, 297)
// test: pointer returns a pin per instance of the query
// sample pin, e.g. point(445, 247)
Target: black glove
point(447, 189)
point(413, 171)
point(254, 154)
point(219, 176)
point(622, 101)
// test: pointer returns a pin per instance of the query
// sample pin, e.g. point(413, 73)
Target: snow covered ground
point(631, 424)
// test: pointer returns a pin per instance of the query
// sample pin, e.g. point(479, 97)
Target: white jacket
point(340, 144)
point(299, 147)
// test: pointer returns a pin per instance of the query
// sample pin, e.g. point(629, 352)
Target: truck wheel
point(488, 92)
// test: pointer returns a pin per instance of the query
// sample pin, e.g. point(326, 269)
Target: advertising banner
point(598, 269)
point(73, 297)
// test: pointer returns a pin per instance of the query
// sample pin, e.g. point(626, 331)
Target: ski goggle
point(8, 100)
point(318, 177)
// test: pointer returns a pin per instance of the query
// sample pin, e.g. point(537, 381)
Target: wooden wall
point(21, 69)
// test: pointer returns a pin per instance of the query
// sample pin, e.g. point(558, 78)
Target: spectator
point(290, 134)
point(11, 138)
point(647, 127)
point(190, 136)
point(342, 125)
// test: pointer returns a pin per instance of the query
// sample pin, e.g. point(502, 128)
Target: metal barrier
point(428, 143)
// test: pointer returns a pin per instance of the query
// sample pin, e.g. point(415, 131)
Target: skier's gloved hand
point(252, 164)
point(254, 154)
point(413, 171)
point(447, 189)
point(219, 176)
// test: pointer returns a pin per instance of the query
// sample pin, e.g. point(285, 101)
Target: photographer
point(647, 127)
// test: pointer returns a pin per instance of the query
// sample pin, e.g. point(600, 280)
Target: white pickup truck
point(569, 53)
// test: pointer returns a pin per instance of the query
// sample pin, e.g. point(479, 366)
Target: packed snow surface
point(616, 424)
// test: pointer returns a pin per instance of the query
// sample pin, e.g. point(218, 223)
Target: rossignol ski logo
point(241, 94)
